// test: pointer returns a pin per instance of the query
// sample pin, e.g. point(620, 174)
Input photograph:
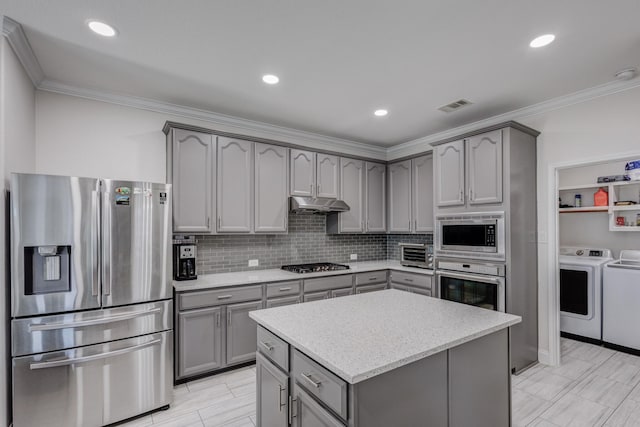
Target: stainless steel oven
point(477, 284)
point(471, 235)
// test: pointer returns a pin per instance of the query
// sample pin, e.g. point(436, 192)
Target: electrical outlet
point(353, 257)
point(253, 263)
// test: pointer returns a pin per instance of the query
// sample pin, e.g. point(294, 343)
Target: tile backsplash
point(307, 241)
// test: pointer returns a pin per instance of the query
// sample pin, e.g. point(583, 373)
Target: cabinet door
point(327, 175)
point(242, 332)
point(376, 198)
point(192, 170)
point(352, 185)
point(449, 173)
point(199, 341)
point(422, 194)
point(272, 407)
point(309, 413)
point(303, 173)
point(271, 207)
point(484, 154)
point(235, 185)
point(400, 197)
point(317, 296)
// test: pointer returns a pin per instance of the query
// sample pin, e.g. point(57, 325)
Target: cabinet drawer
point(419, 280)
point(279, 302)
point(191, 300)
point(326, 386)
point(411, 289)
point(371, 277)
point(327, 283)
point(371, 288)
point(282, 289)
point(274, 348)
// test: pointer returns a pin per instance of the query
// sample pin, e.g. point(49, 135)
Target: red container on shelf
point(601, 198)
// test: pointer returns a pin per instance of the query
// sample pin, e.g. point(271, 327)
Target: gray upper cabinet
point(241, 332)
point(235, 185)
point(192, 158)
point(303, 173)
point(449, 174)
point(271, 176)
point(327, 173)
point(352, 186)
point(422, 194)
point(400, 197)
point(375, 196)
point(272, 400)
point(314, 174)
point(485, 168)
point(200, 341)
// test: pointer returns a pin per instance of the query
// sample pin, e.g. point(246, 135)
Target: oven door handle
point(474, 277)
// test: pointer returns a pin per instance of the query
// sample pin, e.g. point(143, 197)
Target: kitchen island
point(386, 358)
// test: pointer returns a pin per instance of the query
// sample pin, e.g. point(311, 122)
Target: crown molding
point(423, 144)
point(229, 123)
point(18, 41)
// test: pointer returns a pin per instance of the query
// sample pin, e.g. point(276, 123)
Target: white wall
point(601, 129)
point(17, 154)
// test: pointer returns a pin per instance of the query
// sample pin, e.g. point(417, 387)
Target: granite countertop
point(211, 281)
point(360, 336)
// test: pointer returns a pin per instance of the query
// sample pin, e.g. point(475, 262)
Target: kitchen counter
point(361, 336)
point(219, 280)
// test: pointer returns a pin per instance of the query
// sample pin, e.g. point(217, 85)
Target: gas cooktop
point(315, 267)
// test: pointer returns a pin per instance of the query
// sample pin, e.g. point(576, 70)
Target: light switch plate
point(253, 263)
point(353, 257)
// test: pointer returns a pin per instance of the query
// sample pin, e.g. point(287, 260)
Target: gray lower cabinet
point(241, 332)
point(309, 413)
point(272, 400)
point(199, 341)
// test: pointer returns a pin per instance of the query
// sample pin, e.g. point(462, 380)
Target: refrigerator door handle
point(73, 361)
point(33, 327)
point(106, 245)
point(95, 235)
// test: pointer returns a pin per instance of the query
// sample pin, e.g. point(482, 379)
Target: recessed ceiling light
point(381, 113)
point(542, 40)
point(102, 29)
point(270, 79)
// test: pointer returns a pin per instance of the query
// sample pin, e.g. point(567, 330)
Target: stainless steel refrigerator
point(91, 300)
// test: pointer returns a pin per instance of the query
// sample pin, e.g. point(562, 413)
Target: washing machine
point(621, 302)
point(581, 292)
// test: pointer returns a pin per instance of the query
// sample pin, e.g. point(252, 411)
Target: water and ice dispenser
point(47, 269)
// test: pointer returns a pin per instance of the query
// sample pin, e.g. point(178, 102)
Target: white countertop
point(210, 281)
point(361, 336)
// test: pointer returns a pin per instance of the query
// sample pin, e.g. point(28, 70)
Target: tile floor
point(595, 386)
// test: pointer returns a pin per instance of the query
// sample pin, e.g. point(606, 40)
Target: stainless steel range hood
point(317, 205)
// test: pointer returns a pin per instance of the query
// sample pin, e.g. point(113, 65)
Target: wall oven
point(471, 235)
point(477, 284)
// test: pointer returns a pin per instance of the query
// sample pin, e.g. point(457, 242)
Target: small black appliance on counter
point(184, 258)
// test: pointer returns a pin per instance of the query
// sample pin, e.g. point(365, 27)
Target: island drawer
point(371, 277)
point(317, 380)
point(419, 280)
point(327, 283)
point(274, 348)
point(282, 289)
point(189, 300)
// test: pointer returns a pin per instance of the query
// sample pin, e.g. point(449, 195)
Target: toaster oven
point(416, 255)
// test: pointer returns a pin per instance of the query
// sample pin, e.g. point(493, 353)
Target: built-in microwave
point(471, 235)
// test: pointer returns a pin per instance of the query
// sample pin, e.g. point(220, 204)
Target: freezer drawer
point(94, 385)
point(59, 332)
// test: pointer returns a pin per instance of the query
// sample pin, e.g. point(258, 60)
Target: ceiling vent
point(455, 105)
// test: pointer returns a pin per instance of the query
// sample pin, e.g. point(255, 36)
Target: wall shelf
point(585, 209)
